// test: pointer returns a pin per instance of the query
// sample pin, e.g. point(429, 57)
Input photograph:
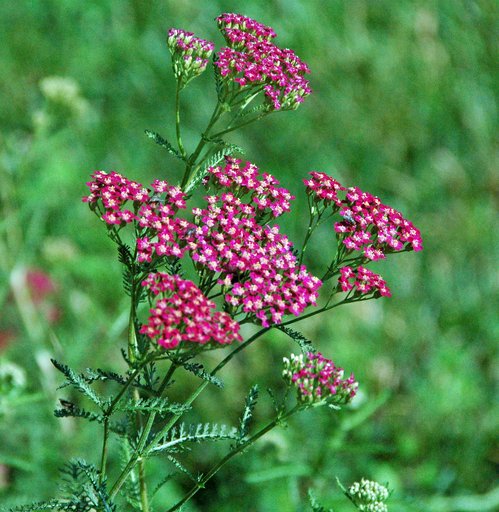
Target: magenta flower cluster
point(363, 281)
point(368, 225)
point(251, 59)
point(190, 54)
point(239, 30)
point(264, 190)
point(324, 187)
point(182, 313)
point(114, 191)
point(160, 232)
point(258, 270)
point(318, 379)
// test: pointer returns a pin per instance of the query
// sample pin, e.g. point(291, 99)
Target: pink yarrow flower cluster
point(114, 191)
point(159, 231)
point(264, 190)
point(318, 379)
point(251, 59)
point(257, 267)
point(190, 54)
point(368, 225)
point(182, 313)
point(363, 281)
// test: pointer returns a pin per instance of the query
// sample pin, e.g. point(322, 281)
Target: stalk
point(243, 446)
point(142, 450)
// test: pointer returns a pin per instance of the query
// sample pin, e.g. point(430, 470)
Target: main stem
point(142, 450)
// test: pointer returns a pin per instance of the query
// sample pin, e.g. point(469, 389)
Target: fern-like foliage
point(316, 506)
point(161, 141)
point(195, 433)
point(69, 409)
point(92, 375)
point(160, 405)
point(305, 344)
point(131, 487)
point(183, 469)
point(79, 382)
point(215, 159)
point(198, 370)
point(249, 408)
point(82, 492)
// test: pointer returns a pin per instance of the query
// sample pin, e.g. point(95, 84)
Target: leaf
point(305, 344)
point(160, 405)
point(69, 409)
point(213, 160)
point(183, 469)
point(131, 487)
point(162, 482)
point(195, 433)
point(103, 375)
point(198, 370)
point(78, 382)
point(250, 404)
point(316, 507)
point(161, 141)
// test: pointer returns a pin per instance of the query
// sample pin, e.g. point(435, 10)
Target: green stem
point(103, 460)
point(137, 455)
point(227, 130)
point(142, 469)
point(140, 452)
point(215, 116)
point(308, 234)
point(177, 120)
point(243, 446)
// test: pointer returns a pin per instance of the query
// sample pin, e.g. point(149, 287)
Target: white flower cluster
point(369, 496)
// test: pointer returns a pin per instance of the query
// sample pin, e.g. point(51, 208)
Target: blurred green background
point(404, 106)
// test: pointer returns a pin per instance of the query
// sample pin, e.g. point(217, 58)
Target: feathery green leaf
point(161, 141)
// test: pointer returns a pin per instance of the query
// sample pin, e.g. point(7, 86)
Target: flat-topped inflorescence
point(368, 225)
point(159, 231)
point(363, 281)
point(182, 313)
point(257, 269)
point(318, 380)
point(190, 54)
point(251, 60)
point(263, 188)
point(369, 496)
point(112, 191)
point(238, 29)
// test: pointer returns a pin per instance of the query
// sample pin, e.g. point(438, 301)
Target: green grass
point(404, 106)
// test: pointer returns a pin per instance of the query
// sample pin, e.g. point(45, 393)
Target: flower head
point(264, 190)
point(252, 60)
point(369, 496)
point(190, 54)
point(368, 225)
point(257, 269)
point(121, 201)
point(112, 191)
point(363, 281)
point(318, 379)
point(182, 313)
point(238, 29)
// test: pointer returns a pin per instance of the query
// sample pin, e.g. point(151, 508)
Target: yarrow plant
point(197, 267)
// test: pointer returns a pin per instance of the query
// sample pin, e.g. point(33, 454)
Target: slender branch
point(243, 446)
point(177, 120)
point(140, 451)
point(215, 116)
point(240, 125)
